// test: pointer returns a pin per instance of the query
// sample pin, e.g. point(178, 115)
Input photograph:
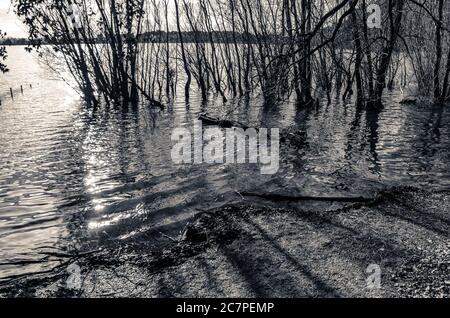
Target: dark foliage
point(3, 55)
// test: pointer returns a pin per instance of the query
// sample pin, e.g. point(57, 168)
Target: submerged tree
point(374, 50)
point(3, 55)
point(97, 40)
point(124, 49)
point(428, 47)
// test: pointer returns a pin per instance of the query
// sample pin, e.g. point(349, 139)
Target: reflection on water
point(71, 177)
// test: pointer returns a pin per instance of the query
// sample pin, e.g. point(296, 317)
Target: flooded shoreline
point(74, 179)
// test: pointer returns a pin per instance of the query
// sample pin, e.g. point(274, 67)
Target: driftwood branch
point(282, 197)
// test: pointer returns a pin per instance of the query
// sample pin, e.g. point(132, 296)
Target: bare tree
point(124, 49)
point(3, 55)
point(76, 28)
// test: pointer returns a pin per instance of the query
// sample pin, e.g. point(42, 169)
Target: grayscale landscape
point(97, 97)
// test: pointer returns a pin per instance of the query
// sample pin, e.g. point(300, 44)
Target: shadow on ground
point(258, 250)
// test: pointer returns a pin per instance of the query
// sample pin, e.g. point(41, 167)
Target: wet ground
point(247, 250)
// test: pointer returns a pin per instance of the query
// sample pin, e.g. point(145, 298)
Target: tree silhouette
point(3, 55)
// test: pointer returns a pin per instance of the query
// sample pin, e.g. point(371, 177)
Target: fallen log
point(293, 198)
point(224, 123)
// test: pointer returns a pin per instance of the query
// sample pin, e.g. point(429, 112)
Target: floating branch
point(224, 123)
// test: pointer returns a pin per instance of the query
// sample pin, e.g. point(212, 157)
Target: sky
point(9, 23)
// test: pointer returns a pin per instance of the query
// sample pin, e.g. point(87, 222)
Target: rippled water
point(74, 178)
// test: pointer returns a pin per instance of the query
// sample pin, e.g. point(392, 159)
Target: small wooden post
point(21, 89)
point(11, 91)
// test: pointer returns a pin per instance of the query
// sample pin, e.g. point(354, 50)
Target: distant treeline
point(172, 37)
point(14, 41)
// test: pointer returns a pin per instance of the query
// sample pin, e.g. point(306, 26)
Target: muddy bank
point(251, 250)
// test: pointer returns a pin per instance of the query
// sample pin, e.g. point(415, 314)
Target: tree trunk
point(183, 53)
point(386, 55)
